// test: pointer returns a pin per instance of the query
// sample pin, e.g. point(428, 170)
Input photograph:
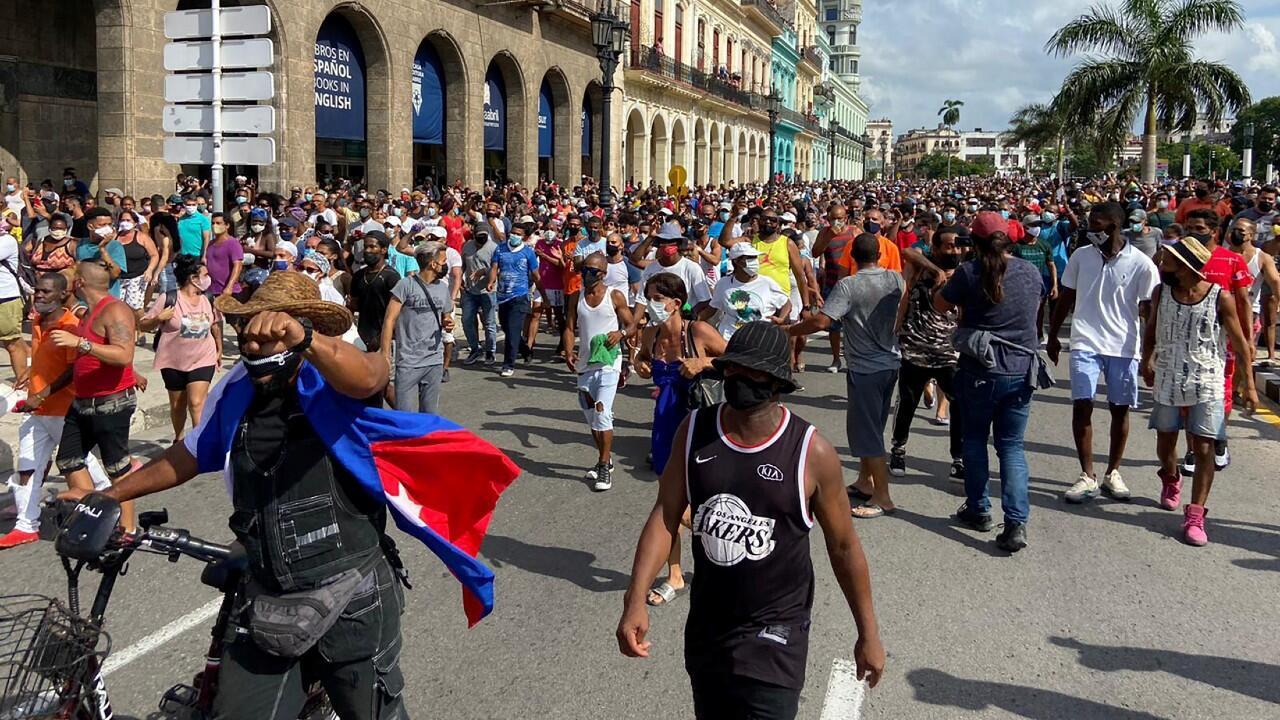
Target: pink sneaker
point(1170, 491)
point(14, 538)
point(1193, 526)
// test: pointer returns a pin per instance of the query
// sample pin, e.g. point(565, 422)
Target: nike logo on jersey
point(699, 459)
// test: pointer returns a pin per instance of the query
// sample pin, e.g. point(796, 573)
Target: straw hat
point(295, 294)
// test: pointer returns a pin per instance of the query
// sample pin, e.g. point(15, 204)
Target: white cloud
point(990, 54)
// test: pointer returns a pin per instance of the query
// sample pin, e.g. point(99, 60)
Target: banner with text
point(546, 122)
point(586, 129)
point(428, 96)
point(495, 112)
point(339, 81)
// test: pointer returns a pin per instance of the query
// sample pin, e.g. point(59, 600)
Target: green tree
point(950, 112)
point(1046, 130)
point(1265, 118)
point(941, 165)
point(1147, 66)
point(1206, 159)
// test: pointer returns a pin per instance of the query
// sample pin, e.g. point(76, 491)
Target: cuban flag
point(440, 481)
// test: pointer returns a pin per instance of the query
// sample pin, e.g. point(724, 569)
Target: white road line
point(844, 692)
point(196, 617)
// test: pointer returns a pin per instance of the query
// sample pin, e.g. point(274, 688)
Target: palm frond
point(1101, 29)
point(1096, 84)
point(1195, 17)
point(1217, 88)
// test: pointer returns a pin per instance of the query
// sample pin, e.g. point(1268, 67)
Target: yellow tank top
point(775, 260)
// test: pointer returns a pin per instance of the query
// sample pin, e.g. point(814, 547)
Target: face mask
point(947, 262)
point(189, 209)
point(516, 241)
point(280, 265)
point(257, 228)
point(973, 208)
point(1265, 206)
point(1237, 237)
point(203, 283)
point(871, 226)
point(481, 240)
point(1162, 204)
point(751, 266)
point(1048, 217)
point(313, 274)
point(10, 187)
point(1169, 278)
point(724, 216)
point(949, 216)
point(1136, 228)
point(57, 234)
point(1204, 238)
point(613, 250)
point(306, 197)
point(271, 374)
point(104, 231)
point(68, 182)
point(743, 393)
point(1099, 238)
point(590, 277)
point(240, 199)
point(431, 212)
point(658, 312)
point(45, 308)
point(550, 235)
point(125, 226)
point(399, 212)
point(668, 251)
point(1004, 214)
point(1033, 232)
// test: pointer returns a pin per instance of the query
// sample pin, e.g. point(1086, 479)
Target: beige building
point(84, 86)
point(918, 144)
point(880, 154)
point(695, 76)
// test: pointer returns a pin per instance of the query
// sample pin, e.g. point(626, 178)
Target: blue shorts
point(1206, 419)
point(1120, 374)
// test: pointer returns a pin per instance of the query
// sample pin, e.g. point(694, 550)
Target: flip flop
point(871, 510)
point(666, 594)
point(941, 421)
point(857, 494)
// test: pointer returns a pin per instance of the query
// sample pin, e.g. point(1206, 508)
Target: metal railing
point(651, 61)
point(769, 10)
point(800, 119)
point(811, 54)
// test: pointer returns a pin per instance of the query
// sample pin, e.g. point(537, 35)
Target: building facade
point(987, 146)
point(915, 145)
point(391, 91)
point(696, 74)
point(846, 112)
point(880, 164)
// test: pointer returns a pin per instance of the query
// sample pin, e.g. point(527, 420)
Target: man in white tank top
point(599, 315)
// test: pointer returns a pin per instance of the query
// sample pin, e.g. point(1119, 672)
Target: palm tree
point(1148, 67)
point(1044, 126)
point(950, 113)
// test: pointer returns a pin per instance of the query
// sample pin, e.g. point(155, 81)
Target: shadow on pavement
point(1246, 677)
point(940, 688)
point(576, 566)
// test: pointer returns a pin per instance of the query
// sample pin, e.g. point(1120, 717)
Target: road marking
point(1264, 412)
point(161, 636)
point(844, 692)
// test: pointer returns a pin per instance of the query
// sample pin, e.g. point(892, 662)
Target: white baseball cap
point(742, 249)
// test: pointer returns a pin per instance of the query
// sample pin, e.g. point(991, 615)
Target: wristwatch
point(85, 347)
point(306, 336)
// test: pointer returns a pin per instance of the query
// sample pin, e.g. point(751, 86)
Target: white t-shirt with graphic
point(739, 303)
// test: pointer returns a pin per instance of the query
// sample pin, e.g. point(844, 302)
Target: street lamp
point(1213, 155)
point(1186, 156)
point(866, 143)
point(772, 103)
point(835, 130)
point(608, 32)
point(1247, 159)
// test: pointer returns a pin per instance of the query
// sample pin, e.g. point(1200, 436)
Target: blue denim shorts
point(1207, 419)
point(1121, 375)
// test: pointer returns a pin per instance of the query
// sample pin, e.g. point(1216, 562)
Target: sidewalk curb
point(1267, 380)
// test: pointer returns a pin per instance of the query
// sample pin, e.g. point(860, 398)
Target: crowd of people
point(952, 293)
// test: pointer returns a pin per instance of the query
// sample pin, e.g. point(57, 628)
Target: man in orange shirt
point(49, 396)
point(1200, 201)
point(890, 257)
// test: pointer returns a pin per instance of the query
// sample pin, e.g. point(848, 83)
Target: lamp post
point(884, 157)
point(771, 103)
point(835, 130)
point(1186, 156)
point(608, 32)
point(866, 143)
point(1213, 155)
point(1247, 159)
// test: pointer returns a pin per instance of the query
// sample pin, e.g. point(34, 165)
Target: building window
point(657, 22)
point(831, 36)
point(853, 35)
point(679, 55)
point(855, 67)
point(831, 14)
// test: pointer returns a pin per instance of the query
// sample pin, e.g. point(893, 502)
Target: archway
point(555, 122)
point(591, 128)
point(659, 150)
point(351, 91)
point(439, 76)
point(637, 150)
point(699, 150)
point(680, 148)
point(505, 129)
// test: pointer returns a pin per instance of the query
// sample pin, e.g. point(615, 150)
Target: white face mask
point(104, 231)
point(1099, 238)
point(1162, 204)
point(751, 266)
point(658, 312)
point(1033, 231)
point(125, 226)
point(257, 227)
point(57, 234)
point(431, 212)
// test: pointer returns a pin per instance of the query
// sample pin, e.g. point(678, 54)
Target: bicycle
point(51, 658)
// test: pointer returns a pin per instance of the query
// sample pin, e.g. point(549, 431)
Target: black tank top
point(136, 260)
point(750, 602)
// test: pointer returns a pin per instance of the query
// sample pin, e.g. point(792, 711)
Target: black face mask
point(1265, 206)
point(1237, 237)
point(613, 250)
point(947, 262)
point(1204, 238)
point(272, 374)
point(871, 226)
point(590, 277)
point(1169, 278)
point(768, 229)
point(743, 393)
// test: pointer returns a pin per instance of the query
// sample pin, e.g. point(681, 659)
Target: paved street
point(1105, 615)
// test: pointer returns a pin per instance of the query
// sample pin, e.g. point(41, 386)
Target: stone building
point(841, 102)
point(393, 90)
point(880, 160)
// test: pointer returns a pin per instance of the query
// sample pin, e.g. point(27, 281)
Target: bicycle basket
point(46, 656)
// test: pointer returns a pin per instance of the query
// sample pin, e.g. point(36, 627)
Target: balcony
point(766, 12)
point(810, 55)
point(846, 50)
point(656, 64)
point(801, 120)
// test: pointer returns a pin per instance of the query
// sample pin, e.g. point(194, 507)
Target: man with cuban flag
point(312, 473)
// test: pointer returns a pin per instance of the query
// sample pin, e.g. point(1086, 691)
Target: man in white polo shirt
point(1108, 284)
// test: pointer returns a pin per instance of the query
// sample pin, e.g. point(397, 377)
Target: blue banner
point(546, 122)
point(427, 96)
point(586, 127)
point(339, 81)
point(495, 111)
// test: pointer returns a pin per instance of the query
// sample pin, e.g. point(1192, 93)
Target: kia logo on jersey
point(769, 472)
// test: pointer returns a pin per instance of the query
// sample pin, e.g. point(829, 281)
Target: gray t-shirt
point(1013, 319)
point(475, 266)
point(866, 304)
point(419, 337)
point(1148, 242)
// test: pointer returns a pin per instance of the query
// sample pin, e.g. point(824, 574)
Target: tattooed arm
point(116, 323)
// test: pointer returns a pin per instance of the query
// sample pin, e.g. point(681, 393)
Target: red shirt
point(906, 238)
point(91, 377)
point(1227, 270)
point(453, 225)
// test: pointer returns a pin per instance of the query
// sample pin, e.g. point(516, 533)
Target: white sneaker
point(507, 372)
point(604, 478)
point(833, 368)
point(1114, 486)
point(1086, 488)
point(1221, 460)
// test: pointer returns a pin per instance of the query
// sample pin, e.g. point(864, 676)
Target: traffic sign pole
point(216, 169)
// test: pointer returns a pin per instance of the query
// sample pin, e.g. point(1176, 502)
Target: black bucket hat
point(761, 346)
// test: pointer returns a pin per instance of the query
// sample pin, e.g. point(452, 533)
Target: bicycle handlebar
point(175, 540)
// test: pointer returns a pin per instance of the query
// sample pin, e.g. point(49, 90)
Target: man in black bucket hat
point(755, 478)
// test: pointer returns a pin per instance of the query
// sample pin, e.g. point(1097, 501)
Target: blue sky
point(990, 54)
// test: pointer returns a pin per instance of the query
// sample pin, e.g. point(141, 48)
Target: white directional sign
point(243, 54)
point(251, 20)
point(235, 151)
point(236, 119)
point(198, 87)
